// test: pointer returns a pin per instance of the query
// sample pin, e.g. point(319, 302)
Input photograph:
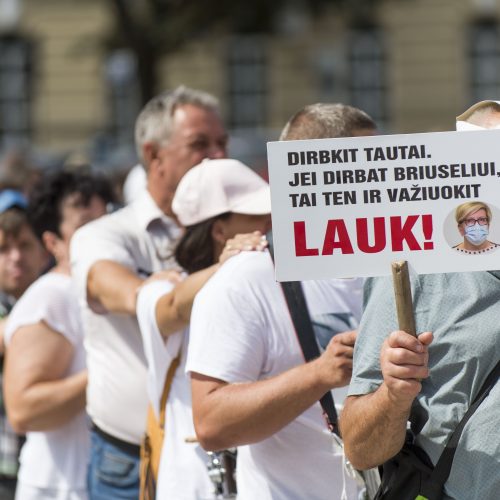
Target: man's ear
point(50, 241)
point(149, 153)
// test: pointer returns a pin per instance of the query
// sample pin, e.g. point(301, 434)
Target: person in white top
point(22, 259)
point(112, 257)
point(134, 184)
point(216, 201)
point(45, 375)
point(250, 386)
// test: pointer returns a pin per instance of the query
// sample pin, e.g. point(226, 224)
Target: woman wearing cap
point(216, 201)
point(473, 222)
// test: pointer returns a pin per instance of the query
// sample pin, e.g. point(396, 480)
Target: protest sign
point(350, 206)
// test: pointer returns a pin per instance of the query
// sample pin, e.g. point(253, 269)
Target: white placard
point(351, 206)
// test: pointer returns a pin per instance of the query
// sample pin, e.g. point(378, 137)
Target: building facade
point(412, 64)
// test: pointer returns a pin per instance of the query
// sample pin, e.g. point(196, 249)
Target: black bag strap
point(301, 319)
point(442, 469)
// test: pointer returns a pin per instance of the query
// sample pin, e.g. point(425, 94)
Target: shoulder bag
point(410, 475)
point(301, 319)
point(153, 440)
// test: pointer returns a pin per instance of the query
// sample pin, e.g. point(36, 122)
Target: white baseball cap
point(215, 187)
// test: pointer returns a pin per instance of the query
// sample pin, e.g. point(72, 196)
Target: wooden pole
point(402, 292)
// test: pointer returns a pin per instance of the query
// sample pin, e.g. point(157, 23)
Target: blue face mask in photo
point(476, 234)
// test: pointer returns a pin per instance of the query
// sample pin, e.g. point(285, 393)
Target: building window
point(124, 96)
point(485, 60)
point(332, 74)
point(16, 55)
point(366, 60)
point(247, 85)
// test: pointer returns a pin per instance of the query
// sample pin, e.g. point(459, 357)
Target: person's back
point(243, 306)
point(215, 201)
point(182, 471)
point(250, 385)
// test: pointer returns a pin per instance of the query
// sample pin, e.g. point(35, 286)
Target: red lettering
point(336, 228)
point(428, 229)
point(301, 250)
point(403, 232)
point(371, 235)
point(378, 231)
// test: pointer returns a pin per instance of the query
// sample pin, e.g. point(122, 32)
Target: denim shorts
point(113, 473)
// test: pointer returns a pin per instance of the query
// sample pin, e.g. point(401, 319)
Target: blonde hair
point(465, 209)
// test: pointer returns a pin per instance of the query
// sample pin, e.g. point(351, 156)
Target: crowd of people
point(103, 310)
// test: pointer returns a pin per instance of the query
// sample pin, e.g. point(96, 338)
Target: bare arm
point(3, 321)
point(38, 395)
point(113, 286)
point(227, 415)
point(173, 310)
point(373, 426)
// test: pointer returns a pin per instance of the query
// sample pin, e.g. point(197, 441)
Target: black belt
point(6, 479)
point(131, 448)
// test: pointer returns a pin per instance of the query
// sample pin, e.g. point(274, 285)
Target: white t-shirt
point(54, 459)
point(241, 331)
point(183, 472)
point(140, 237)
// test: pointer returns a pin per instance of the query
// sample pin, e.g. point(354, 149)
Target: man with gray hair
point(250, 385)
point(111, 257)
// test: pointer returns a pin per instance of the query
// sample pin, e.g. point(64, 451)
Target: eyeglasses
point(483, 221)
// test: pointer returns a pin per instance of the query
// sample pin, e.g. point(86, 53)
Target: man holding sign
point(431, 379)
point(250, 385)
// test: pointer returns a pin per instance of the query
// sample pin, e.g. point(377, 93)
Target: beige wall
point(426, 65)
point(69, 104)
point(426, 71)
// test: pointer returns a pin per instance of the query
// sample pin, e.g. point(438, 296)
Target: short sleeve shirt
point(462, 310)
point(241, 331)
point(56, 458)
point(141, 238)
